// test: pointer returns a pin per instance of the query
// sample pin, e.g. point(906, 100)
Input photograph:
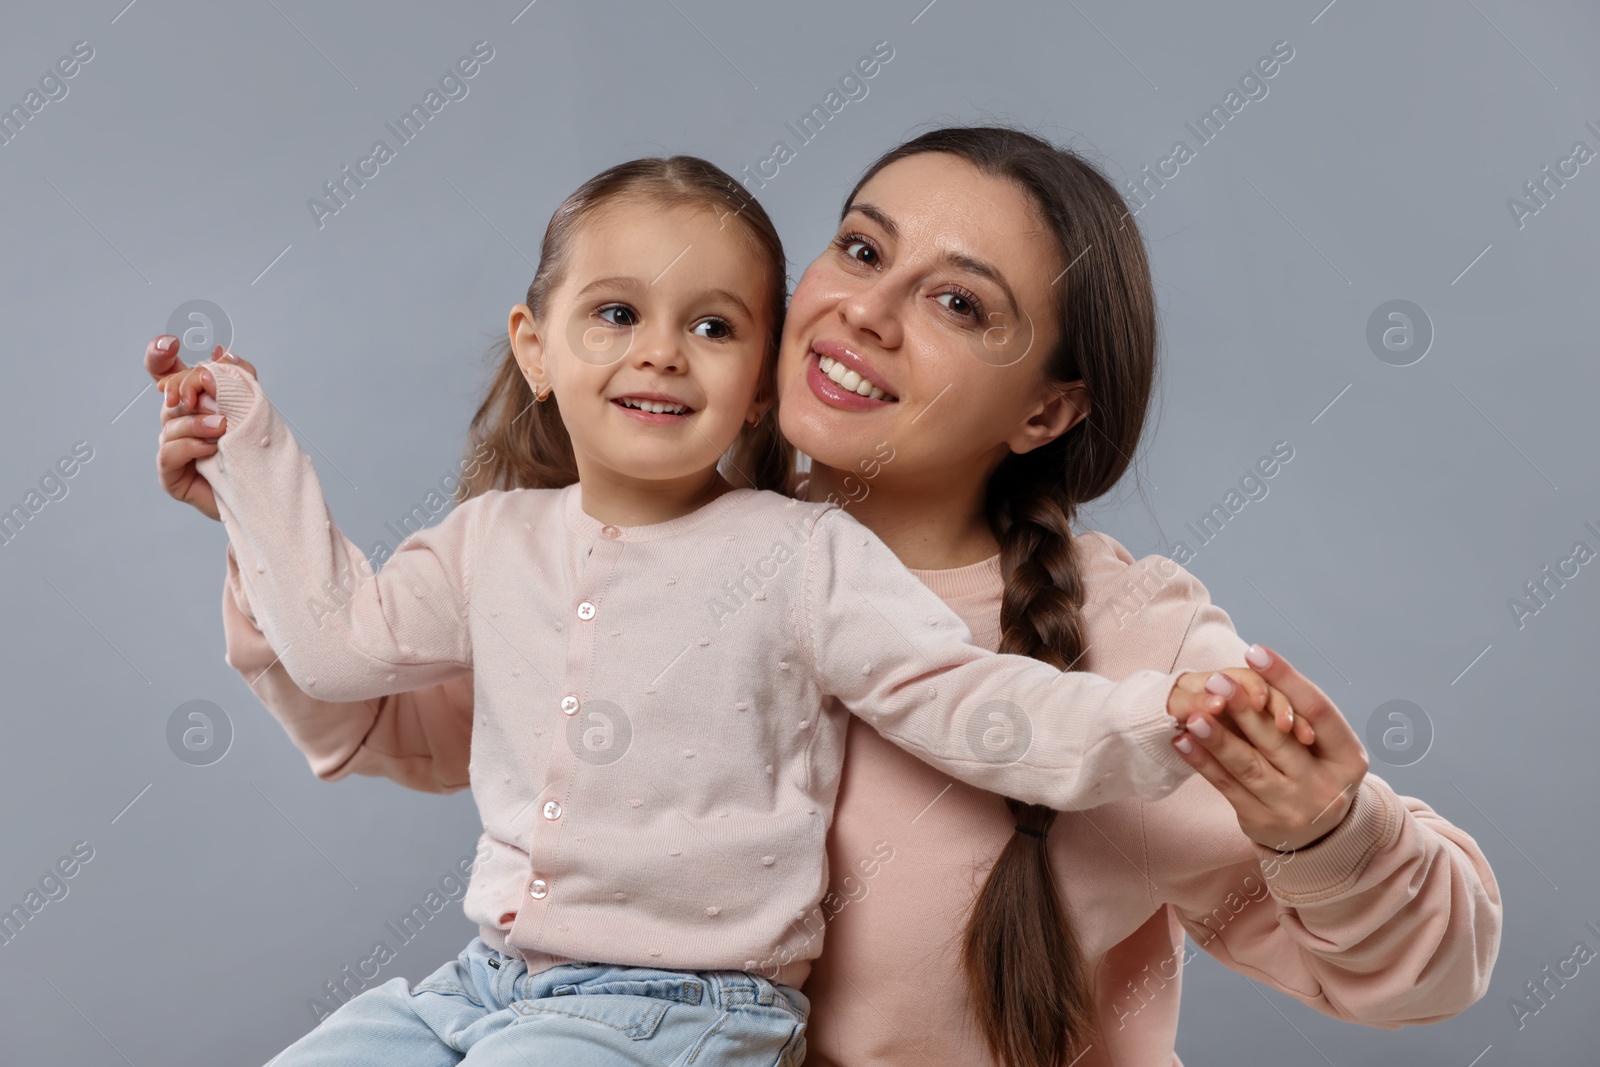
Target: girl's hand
point(185, 435)
point(1242, 691)
point(1286, 794)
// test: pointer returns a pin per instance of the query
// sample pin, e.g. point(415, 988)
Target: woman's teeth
point(849, 379)
point(653, 406)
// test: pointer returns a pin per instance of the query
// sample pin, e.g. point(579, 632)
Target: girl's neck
point(929, 527)
point(621, 501)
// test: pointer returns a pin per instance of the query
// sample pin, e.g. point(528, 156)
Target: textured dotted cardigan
point(654, 754)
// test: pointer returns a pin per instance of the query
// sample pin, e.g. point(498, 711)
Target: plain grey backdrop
point(1384, 163)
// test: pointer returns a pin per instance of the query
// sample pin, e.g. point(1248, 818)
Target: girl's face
point(653, 343)
point(937, 292)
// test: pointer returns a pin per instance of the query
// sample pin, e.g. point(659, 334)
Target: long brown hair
point(526, 442)
point(1029, 983)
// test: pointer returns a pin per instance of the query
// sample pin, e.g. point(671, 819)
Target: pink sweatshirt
point(661, 710)
point(1394, 919)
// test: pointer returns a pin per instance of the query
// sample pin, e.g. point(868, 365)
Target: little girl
point(652, 647)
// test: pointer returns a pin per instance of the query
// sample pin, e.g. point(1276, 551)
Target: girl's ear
point(1063, 406)
point(527, 345)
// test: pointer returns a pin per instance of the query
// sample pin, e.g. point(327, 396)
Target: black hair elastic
point(1030, 832)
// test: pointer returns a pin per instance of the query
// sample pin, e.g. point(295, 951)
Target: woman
point(998, 279)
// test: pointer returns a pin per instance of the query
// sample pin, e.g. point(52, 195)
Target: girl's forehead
point(668, 246)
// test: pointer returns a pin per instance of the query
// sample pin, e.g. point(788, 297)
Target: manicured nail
point(1199, 727)
point(228, 357)
point(163, 343)
point(207, 403)
point(1220, 684)
point(214, 421)
point(1184, 745)
point(1257, 657)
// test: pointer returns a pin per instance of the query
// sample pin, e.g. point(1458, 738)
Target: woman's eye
point(624, 315)
point(713, 329)
point(958, 304)
point(861, 252)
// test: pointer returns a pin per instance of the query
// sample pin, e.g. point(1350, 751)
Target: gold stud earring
point(542, 394)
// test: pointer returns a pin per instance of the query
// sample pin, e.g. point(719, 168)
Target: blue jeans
point(485, 1010)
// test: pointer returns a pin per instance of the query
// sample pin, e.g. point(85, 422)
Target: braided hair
point(1028, 980)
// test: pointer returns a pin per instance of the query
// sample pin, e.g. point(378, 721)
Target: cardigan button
point(552, 810)
point(586, 611)
point(569, 704)
point(611, 532)
point(538, 889)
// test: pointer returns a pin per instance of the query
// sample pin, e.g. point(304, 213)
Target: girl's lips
point(832, 393)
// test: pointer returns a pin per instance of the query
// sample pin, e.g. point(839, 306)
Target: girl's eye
point(960, 304)
point(624, 315)
point(714, 329)
point(857, 249)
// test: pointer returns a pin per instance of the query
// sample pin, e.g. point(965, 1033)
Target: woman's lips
point(833, 394)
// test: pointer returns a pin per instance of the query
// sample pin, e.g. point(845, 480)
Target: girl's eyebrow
point(619, 281)
point(616, 281)
point(958, 260)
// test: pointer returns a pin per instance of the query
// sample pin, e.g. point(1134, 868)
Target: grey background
point(1419, 498)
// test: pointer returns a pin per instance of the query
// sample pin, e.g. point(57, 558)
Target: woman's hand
point(1239, 690)
point(188, 402)
point(1287, 795)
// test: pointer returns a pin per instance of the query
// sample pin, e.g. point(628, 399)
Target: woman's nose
point(873, 311)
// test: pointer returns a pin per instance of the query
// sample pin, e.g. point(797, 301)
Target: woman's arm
point(1391, 919)
point(342, 630)
point(421, 739)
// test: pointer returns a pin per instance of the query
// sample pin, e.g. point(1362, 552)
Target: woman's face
point(933, 305)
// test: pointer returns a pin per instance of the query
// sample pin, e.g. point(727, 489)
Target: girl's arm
point(421, 739)
point(1391, 919)
point(896, 655)
point(342, 631)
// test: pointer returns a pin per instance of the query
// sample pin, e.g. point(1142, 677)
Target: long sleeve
point(421, 739)
point(1393, 919)
point(896, 655)
point(342, 631)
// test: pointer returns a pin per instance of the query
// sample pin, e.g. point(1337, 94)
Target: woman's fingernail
point(163, 343)
point(1220, 684)
point(228, 357)
point(1184, 745)
point(207, 403)
point(1257, 657)
point(1199, 727)
point(214, 421)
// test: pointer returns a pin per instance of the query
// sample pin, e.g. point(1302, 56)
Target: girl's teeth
point(876, 394)
point(850, 380)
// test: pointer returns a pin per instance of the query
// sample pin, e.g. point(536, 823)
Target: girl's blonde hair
point(527, 443)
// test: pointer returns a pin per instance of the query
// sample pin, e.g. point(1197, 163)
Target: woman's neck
point(930, 527)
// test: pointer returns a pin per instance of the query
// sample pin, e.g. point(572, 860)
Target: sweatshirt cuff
point(235, 584)
point(1331, 867)
point(237, 393)
point(1153, 729)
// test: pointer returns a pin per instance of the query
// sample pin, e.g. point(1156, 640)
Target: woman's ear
point(1063, 406)
point(527, 345)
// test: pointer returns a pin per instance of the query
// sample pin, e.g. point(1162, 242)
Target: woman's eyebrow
point(959, 260)
point(876, 214)
point(973, 265)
